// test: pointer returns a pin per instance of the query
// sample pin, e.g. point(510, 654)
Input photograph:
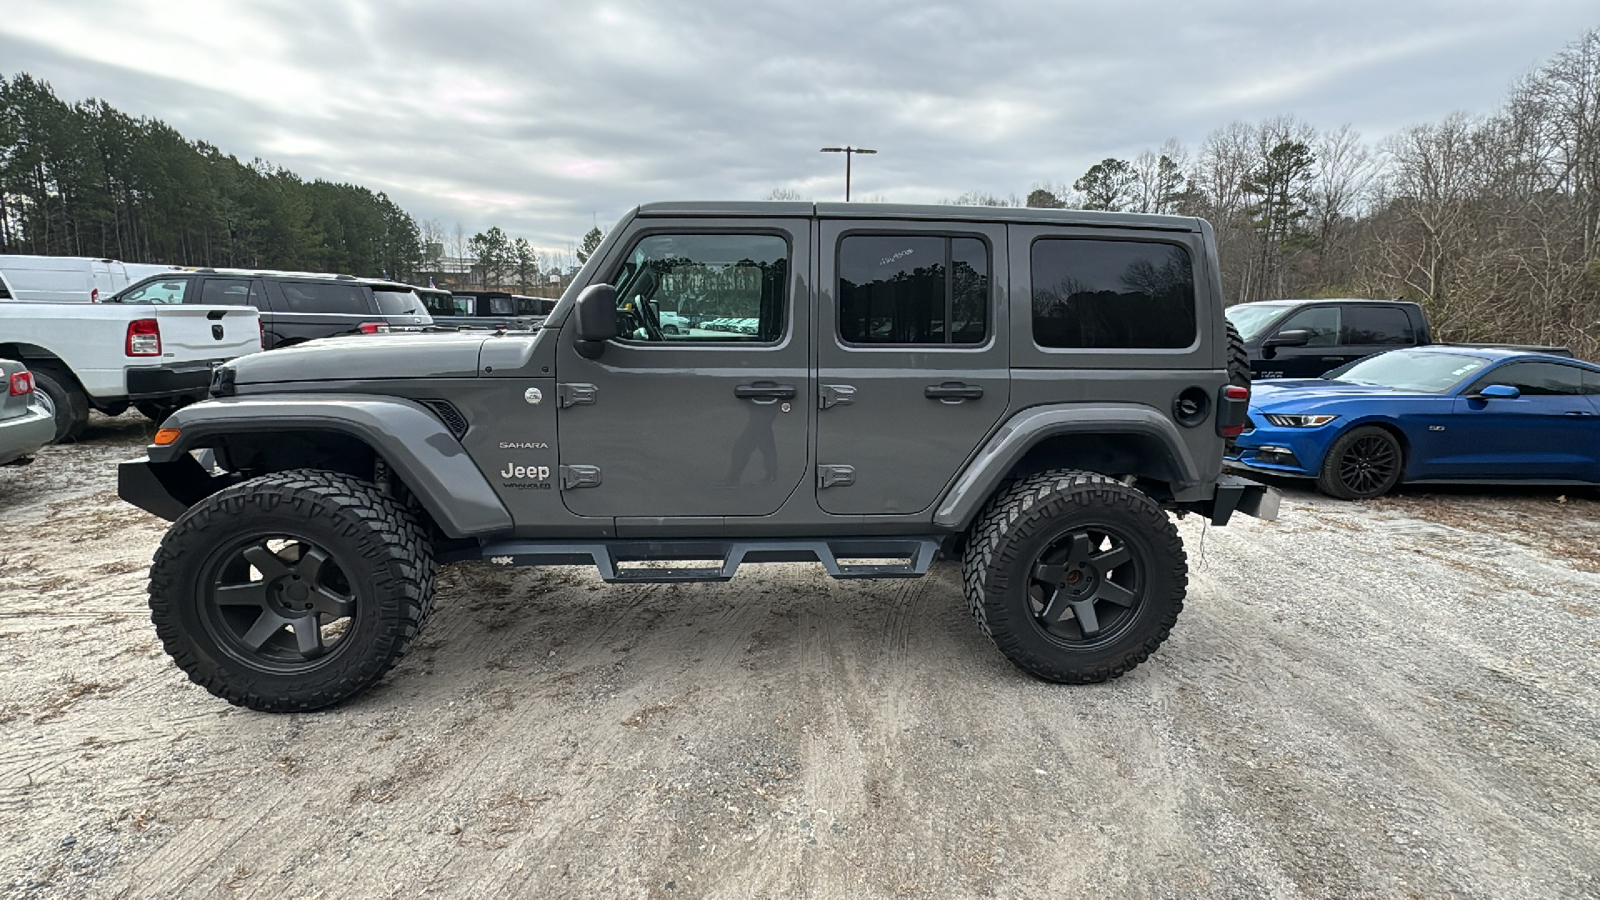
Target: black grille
point(449, 415)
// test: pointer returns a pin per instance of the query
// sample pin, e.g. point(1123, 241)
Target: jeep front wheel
point(1075, 577)
point(292, 591)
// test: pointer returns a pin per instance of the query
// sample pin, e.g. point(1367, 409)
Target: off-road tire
point(1238, 359)
point(379, 547)
point(1021, 523)
point(72, 404)
point(1330, 479)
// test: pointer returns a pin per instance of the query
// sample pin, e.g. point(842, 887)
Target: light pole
point(848, 152)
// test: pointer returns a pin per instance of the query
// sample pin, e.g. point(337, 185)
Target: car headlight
point(1294, 420)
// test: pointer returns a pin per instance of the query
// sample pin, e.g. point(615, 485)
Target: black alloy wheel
point(1363, 464)
point(1076, 577)
point(1086, 587)
point(292, 591)
point(279, 604)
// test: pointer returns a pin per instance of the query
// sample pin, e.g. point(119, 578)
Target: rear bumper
point(23, 435)
point(190, 380)
point(1235, 494)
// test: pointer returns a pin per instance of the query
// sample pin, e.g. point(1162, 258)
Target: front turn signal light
point(166, 436)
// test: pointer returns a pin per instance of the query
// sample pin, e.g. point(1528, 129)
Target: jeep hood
point(363, 357)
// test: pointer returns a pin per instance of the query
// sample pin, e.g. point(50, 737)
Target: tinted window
point(438, 303)
point(397, 303)
point(902, 289)
point(1112, 294)
point(726, 287)
point(225, 291)
point(464, 304)
point(1321, 322)
point(1535, 378)
point(166, 290)
point(1376, 325)
point(1591, 382)
point(502, 306)
point(311, 297)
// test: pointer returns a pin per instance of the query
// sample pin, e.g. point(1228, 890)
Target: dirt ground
point(1394, 699)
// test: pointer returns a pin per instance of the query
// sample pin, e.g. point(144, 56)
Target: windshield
point(398, 303)
point(1409, 370)
point(1250, 318)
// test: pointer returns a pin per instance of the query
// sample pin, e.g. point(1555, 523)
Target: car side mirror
point(595, 319)
point(1498, 392)
point(1294, 337)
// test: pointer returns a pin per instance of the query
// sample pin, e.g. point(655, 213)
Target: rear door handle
point(764, 391)
point(953, 390)
point(1333, 359)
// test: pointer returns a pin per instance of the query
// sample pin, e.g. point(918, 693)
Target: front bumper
point(178, 381)
point(1274, 450)
point(23, 435)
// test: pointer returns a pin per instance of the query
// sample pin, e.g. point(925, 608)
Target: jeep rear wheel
point(292, 591)
point(1076, 578)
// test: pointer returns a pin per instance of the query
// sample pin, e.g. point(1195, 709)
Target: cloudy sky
point(545, 118)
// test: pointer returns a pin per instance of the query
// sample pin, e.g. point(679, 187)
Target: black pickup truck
point(1306, 338)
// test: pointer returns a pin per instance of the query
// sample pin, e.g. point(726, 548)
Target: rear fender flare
point(1023, 431)
point(416, 445)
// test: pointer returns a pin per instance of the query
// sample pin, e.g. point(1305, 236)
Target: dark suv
point(1305, 338)
point(295, 306)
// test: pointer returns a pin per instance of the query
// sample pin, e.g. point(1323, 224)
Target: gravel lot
point(1393, 699)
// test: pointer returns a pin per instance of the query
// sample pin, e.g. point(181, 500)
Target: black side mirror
point(595, 319)
point(1294, 337)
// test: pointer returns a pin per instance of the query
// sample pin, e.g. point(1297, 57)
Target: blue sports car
point(1440, 413)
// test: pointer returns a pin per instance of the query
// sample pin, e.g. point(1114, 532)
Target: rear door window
point(1106, 294)
point(331, 297)
point(223, 292)
point(1377, 325)
point(913, 289)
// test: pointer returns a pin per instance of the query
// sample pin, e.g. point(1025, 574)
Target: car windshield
point(1410, 370)
point(1250, 318)
point(398, 303)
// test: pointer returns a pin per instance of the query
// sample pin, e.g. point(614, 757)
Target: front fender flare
point(415, 444)
point(1030, 426)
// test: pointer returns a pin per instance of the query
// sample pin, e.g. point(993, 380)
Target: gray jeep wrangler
point(1030, 392)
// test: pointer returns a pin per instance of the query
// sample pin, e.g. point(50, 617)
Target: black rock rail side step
point(906, 557)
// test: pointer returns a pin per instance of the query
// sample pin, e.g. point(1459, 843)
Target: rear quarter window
point(310, 297)
point(1096, 294)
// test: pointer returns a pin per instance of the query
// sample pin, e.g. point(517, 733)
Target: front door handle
point(1578, 412)
point(1333, 359)
point(764, 391)
point(953, 390)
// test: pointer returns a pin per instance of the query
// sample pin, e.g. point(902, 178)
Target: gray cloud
point(543, 117)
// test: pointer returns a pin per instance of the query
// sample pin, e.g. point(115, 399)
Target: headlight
point(1290, 420)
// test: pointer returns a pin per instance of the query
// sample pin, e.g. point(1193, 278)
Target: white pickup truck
point(155, 357)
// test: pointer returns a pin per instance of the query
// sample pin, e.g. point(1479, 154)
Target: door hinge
point(573, 477)
point(835, 476)
point(831, 395)
point(575, 395)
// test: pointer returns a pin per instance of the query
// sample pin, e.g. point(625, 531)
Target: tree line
point(1491, 222)
point(83, 179)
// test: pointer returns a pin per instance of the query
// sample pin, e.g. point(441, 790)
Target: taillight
point(374, 327)
point(21, 383)
point(144, 338)
point(261, 329)
point(1233, 411)
point(94, 295)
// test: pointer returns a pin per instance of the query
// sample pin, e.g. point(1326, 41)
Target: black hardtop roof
point(1017, 214)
